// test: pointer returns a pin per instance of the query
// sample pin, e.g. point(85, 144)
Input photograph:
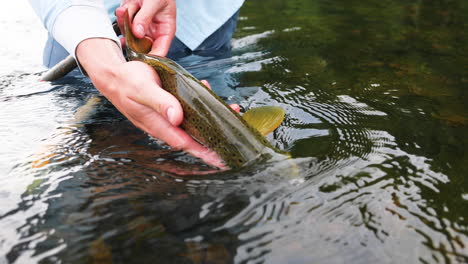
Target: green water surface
point(377, 123)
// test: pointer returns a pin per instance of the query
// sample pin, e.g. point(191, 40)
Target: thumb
point(145, 16)
point(147, 91)
point(166, 105)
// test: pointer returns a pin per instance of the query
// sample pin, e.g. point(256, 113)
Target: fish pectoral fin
point(265, 118)
point(142, 45)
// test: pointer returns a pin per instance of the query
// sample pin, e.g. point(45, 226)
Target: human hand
point(134, 89)
point(155, 111)
point(140, 98)
point(153, 19)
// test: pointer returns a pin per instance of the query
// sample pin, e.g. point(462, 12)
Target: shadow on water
point(375, 96)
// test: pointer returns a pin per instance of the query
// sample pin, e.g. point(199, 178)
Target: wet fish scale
point(206, 117)
point(198, 121)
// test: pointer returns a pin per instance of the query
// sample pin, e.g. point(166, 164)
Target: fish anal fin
point(142, 45)
point(265, 118)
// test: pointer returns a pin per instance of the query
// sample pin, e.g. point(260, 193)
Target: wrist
point(100, 58)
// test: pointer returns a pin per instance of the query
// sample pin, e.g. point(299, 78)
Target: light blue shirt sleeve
point(64, 20)
point(49, 10)
point(196, 19)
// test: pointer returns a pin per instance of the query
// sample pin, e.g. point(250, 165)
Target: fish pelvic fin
point(265, 118)
point(142, 45)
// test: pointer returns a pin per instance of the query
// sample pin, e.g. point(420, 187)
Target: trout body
point(208, 118)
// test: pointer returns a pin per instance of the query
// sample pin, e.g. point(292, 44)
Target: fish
point(238, 140)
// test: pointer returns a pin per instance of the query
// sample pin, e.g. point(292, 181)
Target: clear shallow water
point(375, 95)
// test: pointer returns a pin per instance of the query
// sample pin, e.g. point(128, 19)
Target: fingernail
point(171, 115)
point(140, 29)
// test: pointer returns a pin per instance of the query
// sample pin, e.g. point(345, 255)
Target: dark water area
point(377, 124)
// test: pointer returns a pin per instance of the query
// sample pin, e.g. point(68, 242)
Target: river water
point(377, 113)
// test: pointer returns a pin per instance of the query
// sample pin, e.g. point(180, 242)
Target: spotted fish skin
point(207, 118)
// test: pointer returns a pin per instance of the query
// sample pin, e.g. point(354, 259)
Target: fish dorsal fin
point(142, 45)
point(265, 118)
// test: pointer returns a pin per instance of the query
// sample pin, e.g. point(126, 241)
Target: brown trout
point(207, 118)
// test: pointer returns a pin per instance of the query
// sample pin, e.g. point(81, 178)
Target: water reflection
point(376, 122)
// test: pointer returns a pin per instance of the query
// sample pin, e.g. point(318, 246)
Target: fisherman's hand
point(134, 89)
point(153, 19)
point(136, 93)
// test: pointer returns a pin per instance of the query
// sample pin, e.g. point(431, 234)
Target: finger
point(235, 107)
point(161, 45)
point(208, 156)
point(163, 31)
point(120, 13)
point(145, 16)
point(179, 139)
point(133, 8)
point(159, 21)
point(206, 83)
point(165, 104)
